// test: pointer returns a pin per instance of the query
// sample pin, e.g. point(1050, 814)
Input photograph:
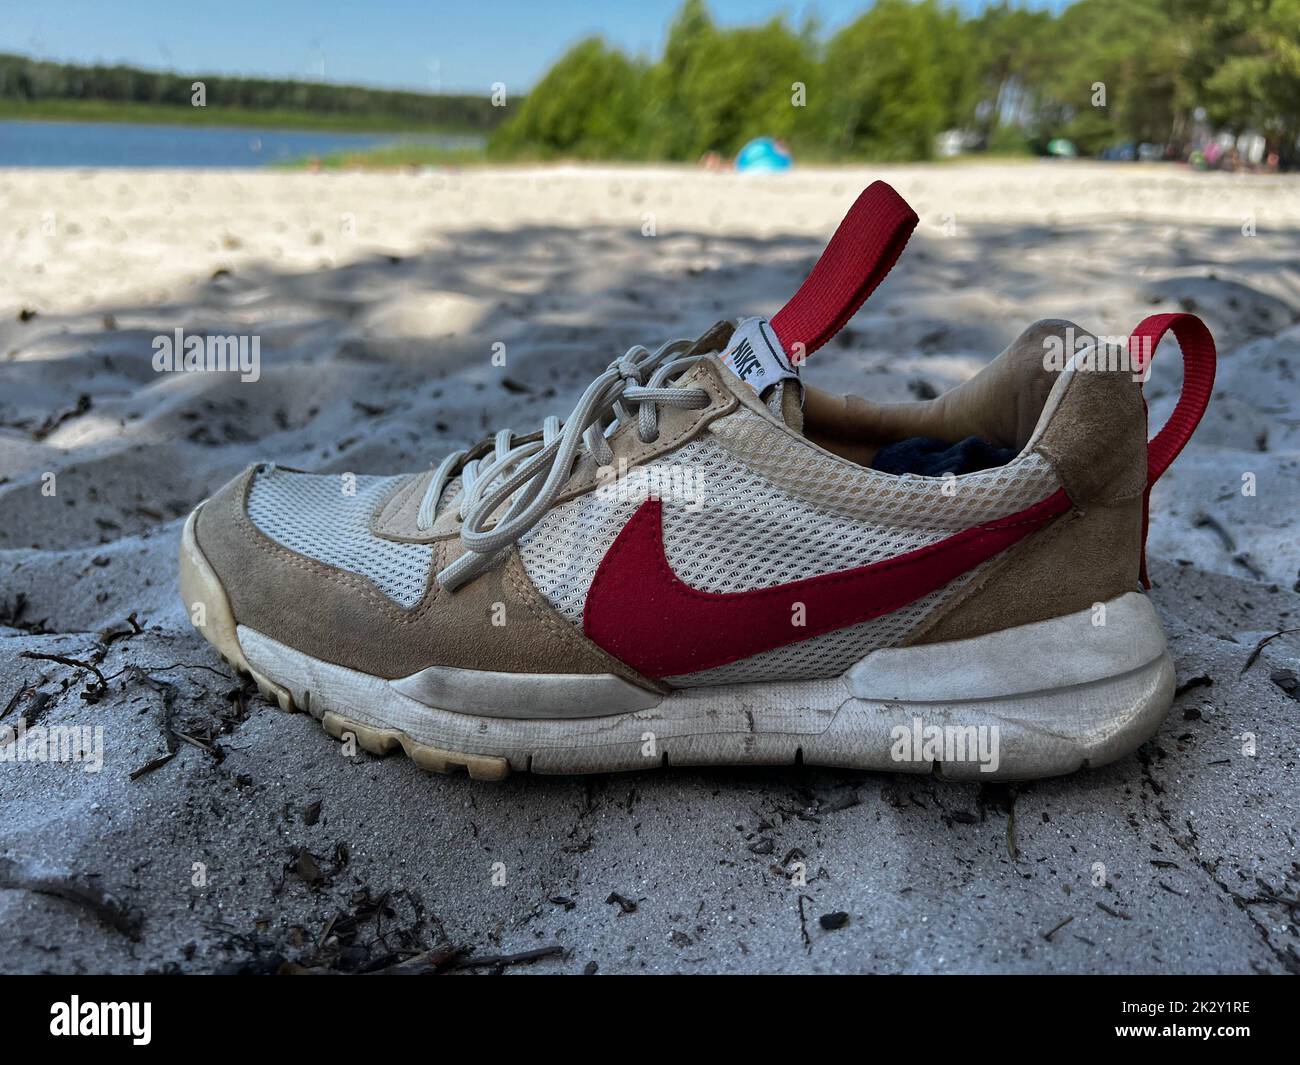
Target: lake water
point(122, 144)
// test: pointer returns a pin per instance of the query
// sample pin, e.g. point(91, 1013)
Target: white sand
point(378, 299)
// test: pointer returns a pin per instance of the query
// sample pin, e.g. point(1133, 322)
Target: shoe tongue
point(755, 355)
point(785, 400)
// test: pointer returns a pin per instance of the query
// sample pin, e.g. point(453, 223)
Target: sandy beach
point(224, 835)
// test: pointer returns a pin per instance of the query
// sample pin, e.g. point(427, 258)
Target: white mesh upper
point(770, 509)
point(790, 463)
point(313, 515)
point(827, 515)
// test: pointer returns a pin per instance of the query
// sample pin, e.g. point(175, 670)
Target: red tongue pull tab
point(860, 254)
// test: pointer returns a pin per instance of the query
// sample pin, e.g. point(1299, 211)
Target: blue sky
point(429, 45)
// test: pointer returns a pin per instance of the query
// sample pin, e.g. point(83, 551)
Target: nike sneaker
point(710, 561)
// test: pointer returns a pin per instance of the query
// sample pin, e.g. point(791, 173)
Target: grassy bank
point(395, 157)
point(173, 115)
point(403, 156)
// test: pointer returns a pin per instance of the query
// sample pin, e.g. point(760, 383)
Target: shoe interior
point(1001, 407)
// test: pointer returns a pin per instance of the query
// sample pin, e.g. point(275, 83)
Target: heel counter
point(1084, 557)
point(1095, 439)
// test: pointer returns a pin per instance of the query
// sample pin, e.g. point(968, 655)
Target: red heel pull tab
point(1199, 360)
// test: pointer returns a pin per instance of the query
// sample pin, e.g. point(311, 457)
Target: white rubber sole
point(1034, 701)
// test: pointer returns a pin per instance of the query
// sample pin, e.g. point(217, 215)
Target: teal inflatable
point(763, 155)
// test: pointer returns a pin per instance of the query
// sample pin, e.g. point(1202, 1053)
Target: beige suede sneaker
point(709, 562)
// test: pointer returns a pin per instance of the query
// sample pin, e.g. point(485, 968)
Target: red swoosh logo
point(642, 613)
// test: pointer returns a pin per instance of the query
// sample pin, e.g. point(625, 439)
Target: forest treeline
point(33, 82)
point(1098, 73)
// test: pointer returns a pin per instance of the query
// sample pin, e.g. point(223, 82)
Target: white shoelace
point(532, 473)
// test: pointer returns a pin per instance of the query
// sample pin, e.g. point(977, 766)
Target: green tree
point(746, 89)
point(1245, 67)
point(671, 122)
point(587, 106)
point(1133, 51)
point(1012, 55)
point(897, 77)
point(716, 89)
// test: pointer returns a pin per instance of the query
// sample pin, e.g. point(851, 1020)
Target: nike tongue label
point(756, 356)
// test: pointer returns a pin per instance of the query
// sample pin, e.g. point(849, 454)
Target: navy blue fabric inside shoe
point(929, 457)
